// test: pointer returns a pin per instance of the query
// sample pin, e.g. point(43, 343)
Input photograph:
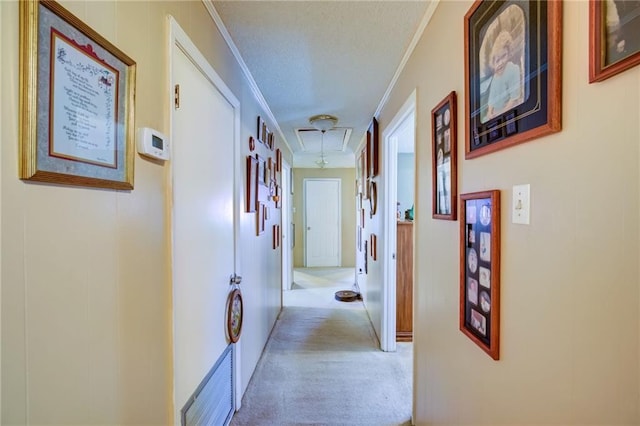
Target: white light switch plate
point(521, 207)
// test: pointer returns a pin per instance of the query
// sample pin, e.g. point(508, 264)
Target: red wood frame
point(554, 84)
point(453, 134)
point(493, 348)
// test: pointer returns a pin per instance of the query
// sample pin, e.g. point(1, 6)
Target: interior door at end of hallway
point(323, 222)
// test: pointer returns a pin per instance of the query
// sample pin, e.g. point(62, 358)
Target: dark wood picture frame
point(259, 130)
point(260, 218)
point(276, 237)
point(235, 313)
point(263, 171)
point(480, 269)
point(373, 198)
point(521, 99)
point(278, 160)
point(251, 186)
point(444, 168)
point(262, 132)
point(374, 247)
point(366, 257)
point(614, 46)
point(374, 148)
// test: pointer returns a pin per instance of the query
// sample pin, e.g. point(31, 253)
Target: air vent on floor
point(212, 402)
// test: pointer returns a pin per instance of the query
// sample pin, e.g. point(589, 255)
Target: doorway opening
point(399, 187)
point(398, 230)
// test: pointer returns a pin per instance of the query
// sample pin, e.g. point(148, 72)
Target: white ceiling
point(322, 57)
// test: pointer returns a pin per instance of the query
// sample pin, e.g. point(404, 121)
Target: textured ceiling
point(322, 57)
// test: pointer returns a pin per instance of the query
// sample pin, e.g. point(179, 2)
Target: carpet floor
point(322, 364)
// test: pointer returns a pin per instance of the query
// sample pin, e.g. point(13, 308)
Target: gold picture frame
point(235, 313)
point(77, 102)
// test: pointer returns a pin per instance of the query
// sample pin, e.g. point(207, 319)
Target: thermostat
point(152, 143)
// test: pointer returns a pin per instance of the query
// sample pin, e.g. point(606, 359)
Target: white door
point(399, 133)
point(203, 163)
point(323, 222)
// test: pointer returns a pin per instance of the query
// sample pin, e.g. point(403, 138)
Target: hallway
point(322, 364)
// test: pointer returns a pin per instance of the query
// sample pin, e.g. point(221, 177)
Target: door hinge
point(176, 96)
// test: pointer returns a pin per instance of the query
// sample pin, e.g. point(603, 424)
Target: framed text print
point(77, 102)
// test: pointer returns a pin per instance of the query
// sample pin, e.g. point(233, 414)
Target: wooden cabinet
point(404, 282)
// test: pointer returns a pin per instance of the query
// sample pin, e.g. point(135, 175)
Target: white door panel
point(323, 221)
point(203, 228)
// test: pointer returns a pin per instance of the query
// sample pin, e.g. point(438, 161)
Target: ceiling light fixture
point(323, 122)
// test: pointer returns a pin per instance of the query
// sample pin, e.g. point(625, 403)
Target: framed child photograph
point(444, 159)
point(614, 37)
point(513, 73)
point(480, 269)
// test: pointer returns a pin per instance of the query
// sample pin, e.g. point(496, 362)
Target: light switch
point(521, 207)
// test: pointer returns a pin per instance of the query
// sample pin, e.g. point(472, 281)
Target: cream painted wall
point(570, 326)
point(86, 291)
point(348, 178)
point(371, 282)
point(86, 299)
